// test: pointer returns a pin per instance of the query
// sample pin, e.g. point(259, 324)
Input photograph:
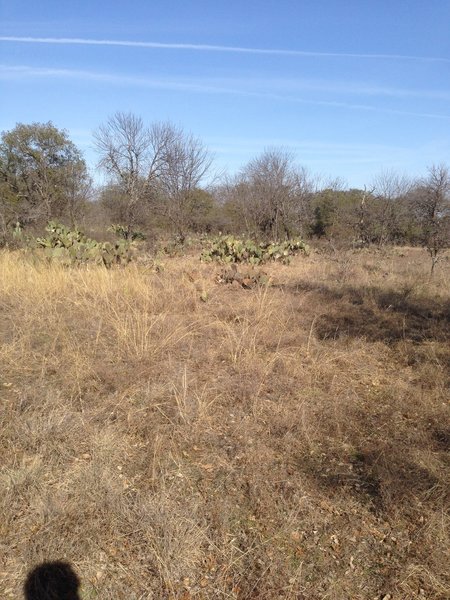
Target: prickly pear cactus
point(73, 247)
point(228, 249)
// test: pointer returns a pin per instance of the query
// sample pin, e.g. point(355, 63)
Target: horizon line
point(217, 48)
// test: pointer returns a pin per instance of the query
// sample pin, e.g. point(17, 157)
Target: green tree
point(42, 175)
point(324, 211)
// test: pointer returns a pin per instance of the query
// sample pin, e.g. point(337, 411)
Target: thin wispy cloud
point(308, 145)
point(218, 48)
point(22, 72)
point(242, 86)
point(351, 87)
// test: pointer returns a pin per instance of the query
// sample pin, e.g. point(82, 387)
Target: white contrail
point(213, 48)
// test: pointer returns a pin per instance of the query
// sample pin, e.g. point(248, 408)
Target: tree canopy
point(42, 174)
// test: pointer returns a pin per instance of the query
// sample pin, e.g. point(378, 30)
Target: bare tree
point(363, 216)
point(431, 203)
point(390, 190)
point(79, 191)
point(272, 194)
point(184, 163)
point(156, 167)
point(132, 155)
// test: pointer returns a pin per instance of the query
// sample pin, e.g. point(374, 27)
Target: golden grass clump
point(173, 438)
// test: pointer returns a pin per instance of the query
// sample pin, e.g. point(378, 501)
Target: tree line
point(159, 178)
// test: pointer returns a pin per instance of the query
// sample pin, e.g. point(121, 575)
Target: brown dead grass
point(288, 441)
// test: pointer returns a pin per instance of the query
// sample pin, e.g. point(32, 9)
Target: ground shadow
point(378, 478)
point(377, 314)
point(52, 581)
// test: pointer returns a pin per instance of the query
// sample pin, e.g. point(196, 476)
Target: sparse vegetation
point(174, 438)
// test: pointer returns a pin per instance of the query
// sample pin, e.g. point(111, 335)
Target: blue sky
point(352, 87)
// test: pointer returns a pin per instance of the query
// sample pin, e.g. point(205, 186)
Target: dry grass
point(282, 442)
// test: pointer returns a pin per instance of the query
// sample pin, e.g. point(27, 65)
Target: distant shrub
point(126, 233)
